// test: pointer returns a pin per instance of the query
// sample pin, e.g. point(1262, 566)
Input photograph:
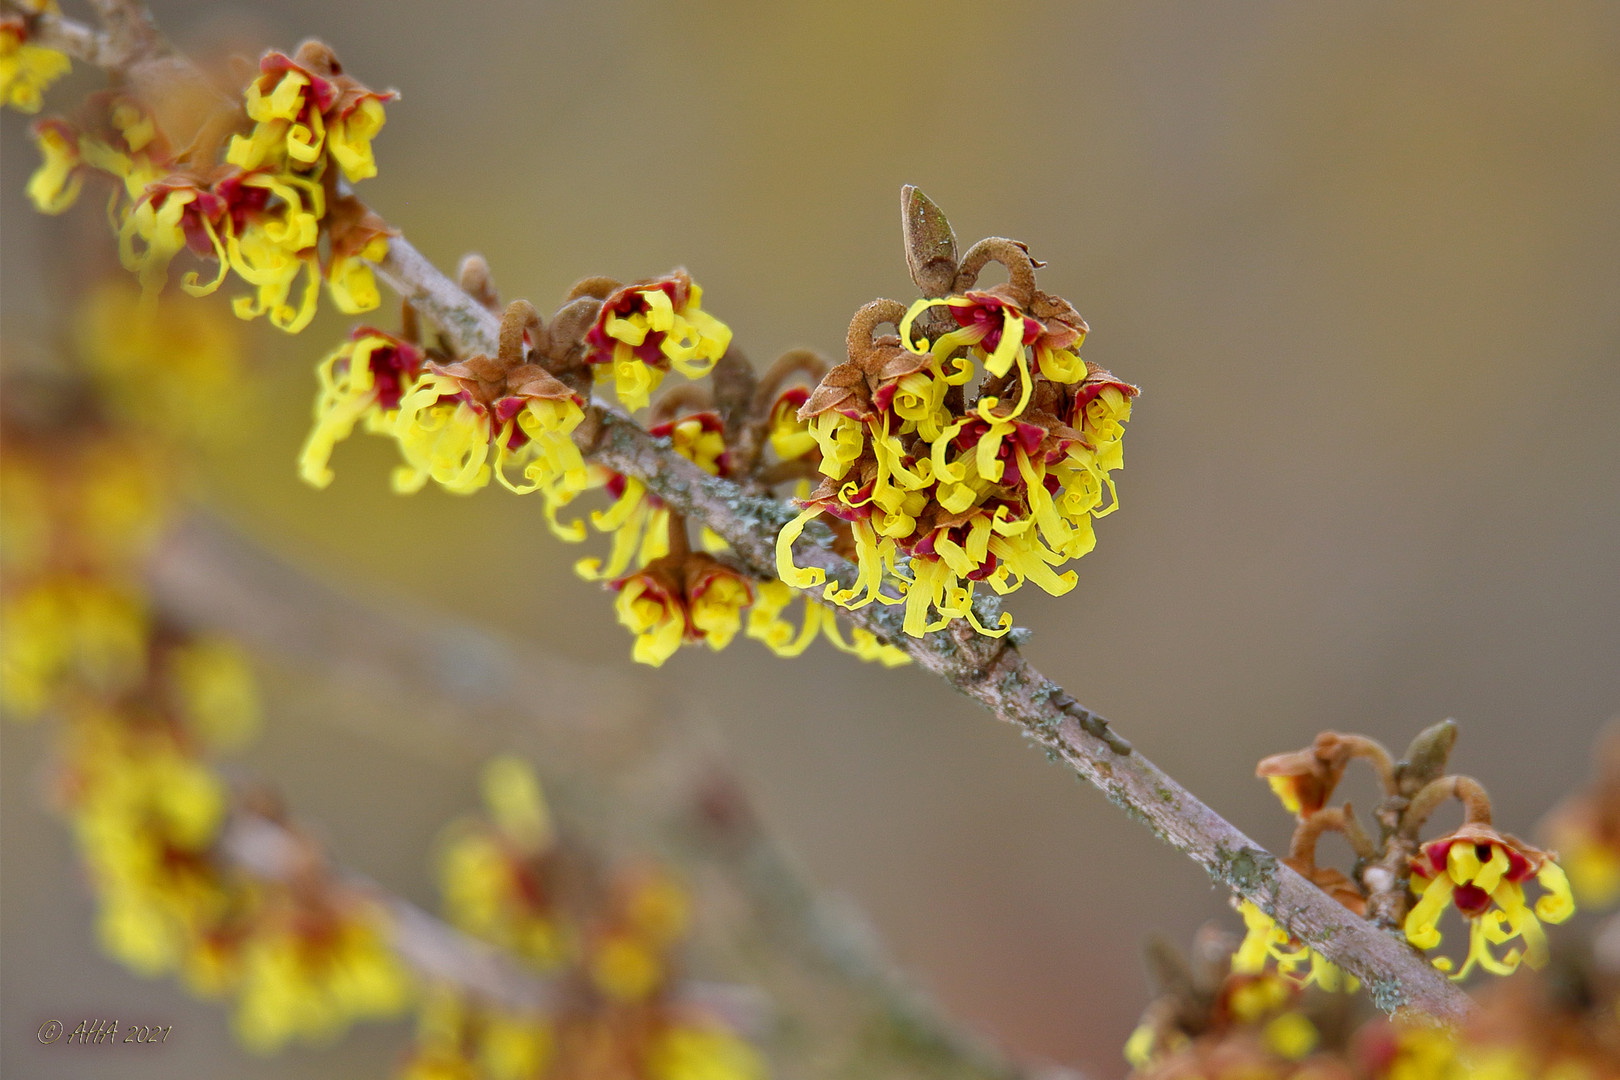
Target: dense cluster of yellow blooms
point(143, 705)
point(941, 492)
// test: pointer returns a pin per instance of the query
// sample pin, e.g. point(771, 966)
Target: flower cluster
point(458, 423)
point(941, 492)
point(263, 206)
point(609, 941)
point(142, 704)
point(1399, 880)
point(26, 69)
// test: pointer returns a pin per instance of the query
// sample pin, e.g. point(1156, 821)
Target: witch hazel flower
point(306, 111)
point(1401, 882)
point(1483, 874)
point(682, 597)
point(362, 382)
point(113, 136)
point(646, 328)
point(27, 70)
point(503, 417)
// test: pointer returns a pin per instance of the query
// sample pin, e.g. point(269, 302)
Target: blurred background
point(1364, 261)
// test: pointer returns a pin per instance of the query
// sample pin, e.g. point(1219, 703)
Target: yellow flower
point(648, 327)
point(313, 974)
point(650, 605)
point(305, 108)
point(496, 880)
point(275, 245)
point(716, 598)
point(1483, 873)
point(351, 281)
point(26, 70)
point(466, 422)
point(55, 185)
point(363, 381)
point(164, 220)
point(68, 631)
point(703, 1053)
point(790, 438)
point(1296, 963)
point(349, 141)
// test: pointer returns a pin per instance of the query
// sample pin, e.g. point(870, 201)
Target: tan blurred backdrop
point(1363, 259)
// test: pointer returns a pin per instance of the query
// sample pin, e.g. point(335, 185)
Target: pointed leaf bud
point(930, 243)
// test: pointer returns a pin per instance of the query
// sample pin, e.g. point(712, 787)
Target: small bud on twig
point(930, 244)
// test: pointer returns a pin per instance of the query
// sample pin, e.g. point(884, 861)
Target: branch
point(431, 948)
point(112, 49)
point(437, 951)
point(993, 673)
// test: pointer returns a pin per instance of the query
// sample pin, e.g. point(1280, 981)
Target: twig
point(993, 673)
point(74, 38)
